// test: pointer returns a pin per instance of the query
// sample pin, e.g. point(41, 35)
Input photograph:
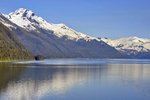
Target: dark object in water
point(38, 57)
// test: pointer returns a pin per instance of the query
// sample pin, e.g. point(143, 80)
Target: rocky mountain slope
point(55, 40)
point(133, 47)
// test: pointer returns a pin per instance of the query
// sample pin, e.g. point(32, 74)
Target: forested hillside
point(10, 48)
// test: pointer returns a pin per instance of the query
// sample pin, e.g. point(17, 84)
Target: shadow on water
point(23, 82)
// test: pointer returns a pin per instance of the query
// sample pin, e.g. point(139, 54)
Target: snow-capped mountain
point(132, 46)
point(58, 40)
point(29, 21)
point(54, 40)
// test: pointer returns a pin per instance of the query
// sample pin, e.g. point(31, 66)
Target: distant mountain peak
point(25, 19)
point(23, 13)
point(133, 45)
point(134, 39)
point(21, 10)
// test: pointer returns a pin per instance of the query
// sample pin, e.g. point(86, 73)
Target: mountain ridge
point(29, 20)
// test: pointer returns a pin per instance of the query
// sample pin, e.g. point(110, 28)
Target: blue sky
point(101, 18)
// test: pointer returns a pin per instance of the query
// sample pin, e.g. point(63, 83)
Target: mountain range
point(131, 47)
point(49, 40)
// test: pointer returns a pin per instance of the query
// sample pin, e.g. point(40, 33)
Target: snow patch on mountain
point(4, 22)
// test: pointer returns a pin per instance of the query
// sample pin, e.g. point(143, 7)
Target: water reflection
point(31, 83)
point(8, 73)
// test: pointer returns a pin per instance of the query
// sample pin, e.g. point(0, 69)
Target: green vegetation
point(10, 47)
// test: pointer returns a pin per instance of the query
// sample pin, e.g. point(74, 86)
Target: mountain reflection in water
point(20, 82)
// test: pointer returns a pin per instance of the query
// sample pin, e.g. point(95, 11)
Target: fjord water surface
point(75, 79)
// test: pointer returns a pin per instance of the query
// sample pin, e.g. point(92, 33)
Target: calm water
point(76, 79)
